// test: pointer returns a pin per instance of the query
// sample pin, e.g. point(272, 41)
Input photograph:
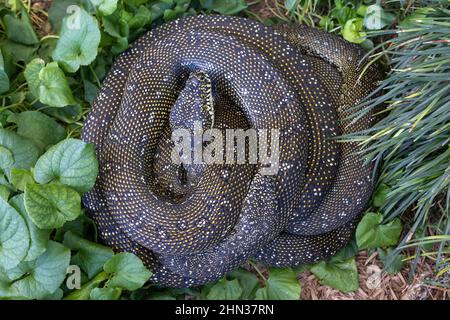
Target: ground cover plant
point(49, 76)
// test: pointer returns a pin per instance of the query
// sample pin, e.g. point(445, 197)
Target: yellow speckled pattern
point(293, 78)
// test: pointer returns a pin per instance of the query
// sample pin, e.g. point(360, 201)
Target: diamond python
point(229, 72)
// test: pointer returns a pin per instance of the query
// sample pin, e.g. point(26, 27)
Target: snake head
point(194, 104)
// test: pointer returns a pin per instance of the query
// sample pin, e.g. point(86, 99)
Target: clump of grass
point(411, 143)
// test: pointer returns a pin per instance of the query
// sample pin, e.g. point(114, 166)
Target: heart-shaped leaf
point(128, 271)
point(41, 277)
point(54, 90)
point(78, 42)
point(20, 29)
point(370, 233)
point(341, 275)
point(71, 162)
point(282, 284)
point(51, 205)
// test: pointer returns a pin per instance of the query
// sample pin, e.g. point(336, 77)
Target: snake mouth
point(193, 222)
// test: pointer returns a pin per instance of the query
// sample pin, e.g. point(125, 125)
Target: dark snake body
point(296, 79)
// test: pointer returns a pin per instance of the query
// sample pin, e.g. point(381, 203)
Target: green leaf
point(78, 42)
point(342, 12)
point(282, 284)
point(82, 226)
point(90, 256)
point(71, 162)
point(393, 262)
point(142, 17)
point(42, 276)
point(4, 79)
point(14, 5)
point(361, 11)
point(20, 29)
point(20, 178)
point(14, 237)
point(352, 31)
point(54, 90)
point(326, 23)
point(5, 192)
point(4, 182)
point(341, 275)
point(85, 291)
point(349, 251)
point(226, 7)
point(106, 7)
point(51, 205)
point(40, 128)
point(6, 158)
point(248, 281)
point(57, 295)
point(31, 74)
point(116, 25)
point(38, 238)
point(225, 290)
point(17, 52)
point(290, 5)
point(370, 233)
point(105, 294)
point(90, 91)
point(128, 271)
point(3, 116)
point(61, 8)
point(380, 195)
point(16, 97)
point(24, 151)
point(67, 114)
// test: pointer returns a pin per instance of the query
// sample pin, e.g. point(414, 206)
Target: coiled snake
point(229, 72)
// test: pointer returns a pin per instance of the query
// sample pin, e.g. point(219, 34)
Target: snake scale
point(229, 72)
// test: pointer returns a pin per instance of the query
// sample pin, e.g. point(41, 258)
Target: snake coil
point(229, 72)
